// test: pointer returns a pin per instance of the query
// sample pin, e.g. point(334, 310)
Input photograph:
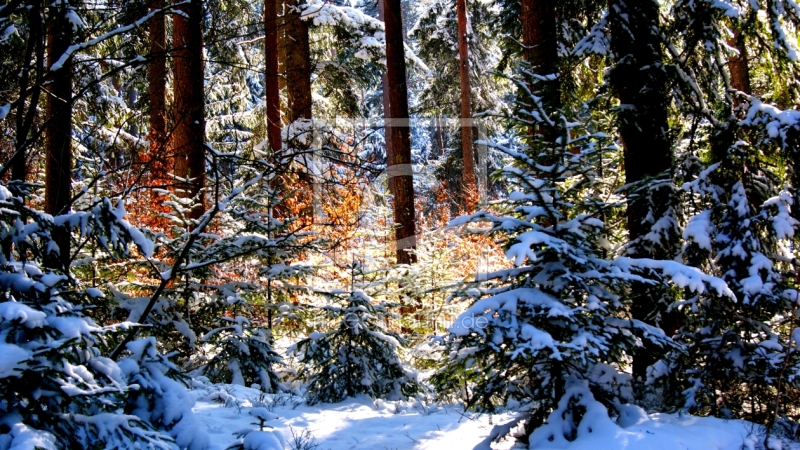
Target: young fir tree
point(162, 399)
point(740, 216)
point(734, 346)
point(57, 389)
point(358, 356)
point(242, 352)
point(561, 313)
point(249, 439)
point(252, 247)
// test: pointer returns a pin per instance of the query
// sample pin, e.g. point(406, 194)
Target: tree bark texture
point(540, 39)
point(58, 131)
point(282, 7)
point(739, 66)
point(188, 138)
point(157, 89)
point(387, 131)
point(469, 180)
point(272, 75)
point(298, 96)
point(639, 81)
point(298, 63)
point(34, 67)
point(400, 169)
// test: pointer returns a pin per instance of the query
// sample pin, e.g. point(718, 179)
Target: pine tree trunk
point(273, 47)
point(298, 94)
point(640, 84)
point(157, 88)
point(282, 8)
point(387, 131)
point(469, 180)
point(34, 54)
point(739, 69)
point(33, 68)
point(188, 137)
point(58, 131)
point(298, 64)
point(272, 75)
point(739, 66)
point(400, 169)
point(540, 38)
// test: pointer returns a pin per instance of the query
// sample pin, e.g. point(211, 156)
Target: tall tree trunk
point(387, 131)
point(273, 47)
point(34, 48)
point(33, 62)
point(58, 131)
point(639, 81)
point(188, 137)
point(282, 8)
point(157, 161)
point(298, 63)
point(272, 75)
point(400, 169)
point(540, 38)
point(738, 65)
point(726, 137)
point(157, 88)
point(298, 92)
point(469, 180)
point(739, 68)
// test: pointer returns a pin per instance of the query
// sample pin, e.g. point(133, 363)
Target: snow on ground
point(673, 432)
point(358, 423)
point(363, 423)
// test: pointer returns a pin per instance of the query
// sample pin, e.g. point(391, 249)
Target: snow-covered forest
point(408, 224)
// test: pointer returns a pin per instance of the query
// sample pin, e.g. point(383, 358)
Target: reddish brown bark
point(400, 168)
point(58, 131)
point(282, 7)
point(739, 66)
point(157, 88)
point(469, 180)
point(298, 64)
point(188, 136)
point(387, 131)
point(298, 96)
point(539, 35)
point(540, 38)
point(272, 75)
point(157, 161)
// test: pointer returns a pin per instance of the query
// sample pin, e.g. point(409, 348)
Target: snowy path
point(353, 424)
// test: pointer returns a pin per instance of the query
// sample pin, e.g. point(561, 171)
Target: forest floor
point(356, 423)
point(363, 423)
